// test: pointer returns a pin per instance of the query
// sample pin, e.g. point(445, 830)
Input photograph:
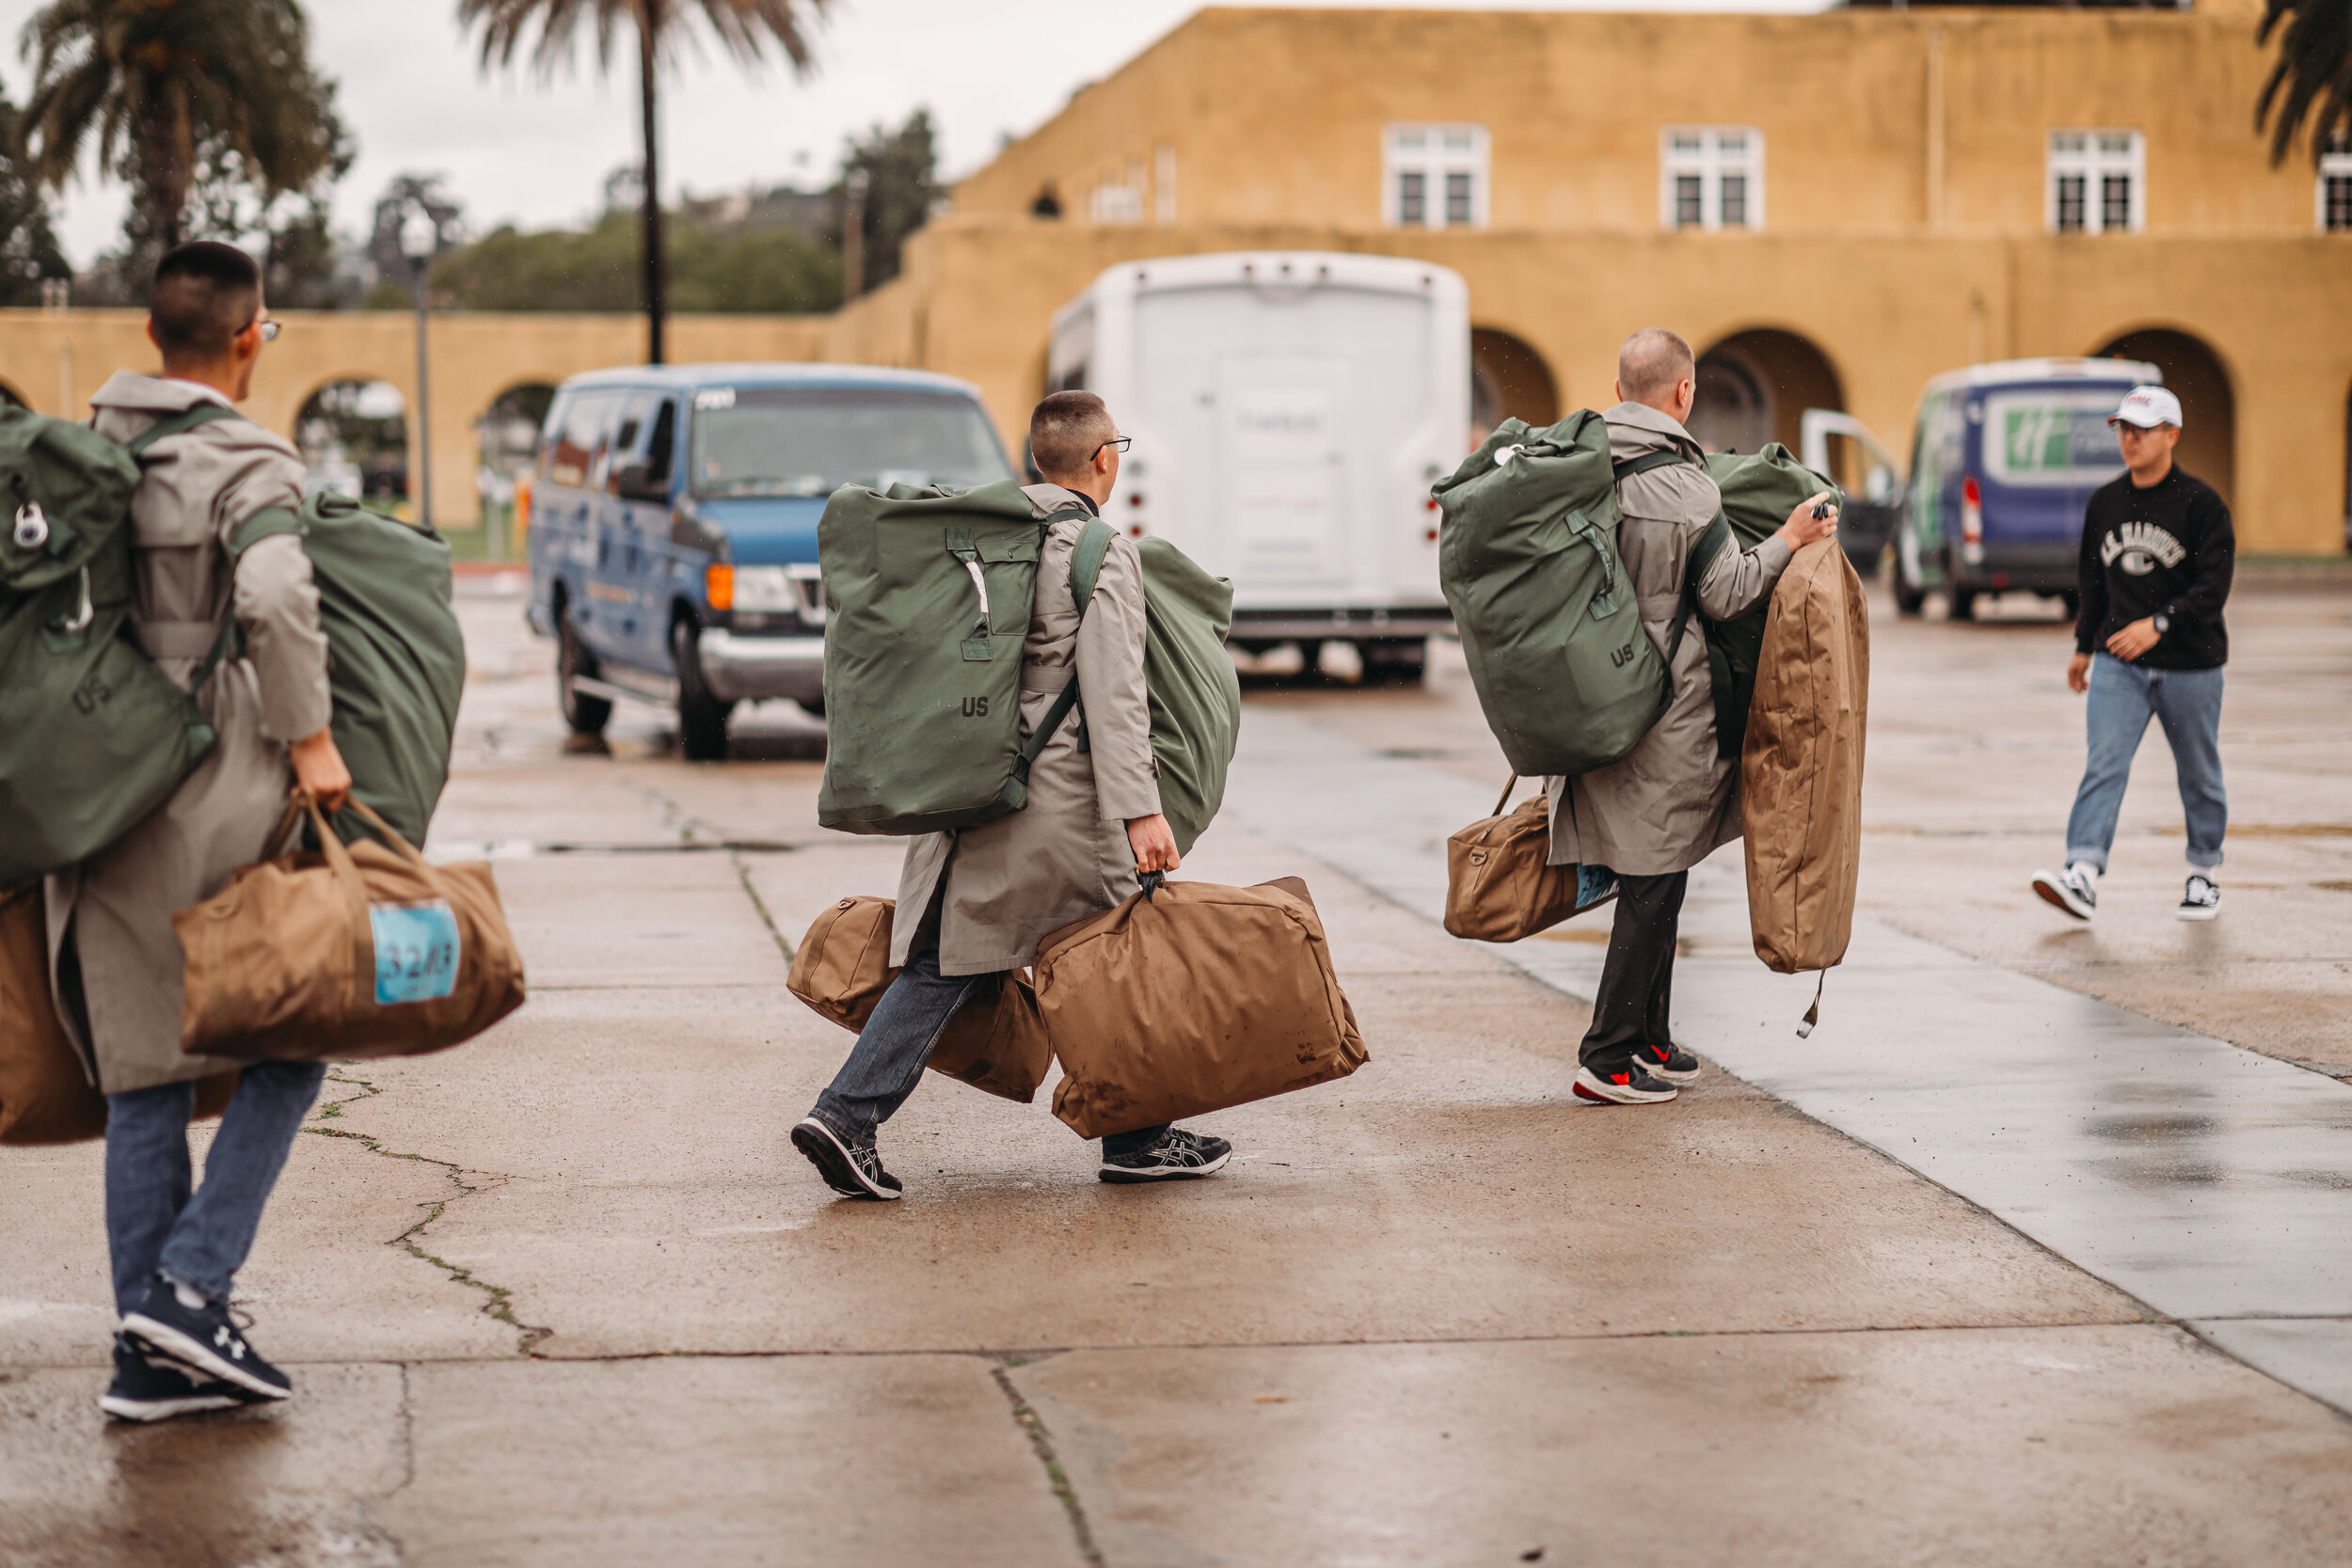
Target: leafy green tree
point(28, 246)
point(712, 268)
point(744, 28)
point(901, 170)
point(2312, 81)
point(190, 103)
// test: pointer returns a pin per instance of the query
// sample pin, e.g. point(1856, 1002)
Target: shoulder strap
point(1086, 565)
point(1647, 461)
point(179, 424)
point(1711, 543)
point(264, 524)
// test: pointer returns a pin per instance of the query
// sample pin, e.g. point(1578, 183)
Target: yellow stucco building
point(1833, 208)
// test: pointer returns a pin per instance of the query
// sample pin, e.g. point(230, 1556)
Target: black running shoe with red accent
point(1629, 1084)
point(1669, 1062)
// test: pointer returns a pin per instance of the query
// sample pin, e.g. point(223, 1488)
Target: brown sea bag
point(1496, 886)
point(1800, 770)
point(46, 1097)
point(1192, 998)
point(996, 1042)
point(360, 951)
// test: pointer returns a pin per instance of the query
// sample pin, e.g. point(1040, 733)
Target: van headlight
point(765, 590)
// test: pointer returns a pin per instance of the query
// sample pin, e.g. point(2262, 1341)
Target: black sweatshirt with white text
point(2166, 551)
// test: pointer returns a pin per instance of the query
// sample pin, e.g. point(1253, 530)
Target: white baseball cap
point(2147, 407)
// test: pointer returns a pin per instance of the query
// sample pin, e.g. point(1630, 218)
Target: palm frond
point(2310, 83)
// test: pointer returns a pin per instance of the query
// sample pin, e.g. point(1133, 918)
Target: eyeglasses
point(1120, 442)
point(269, 328)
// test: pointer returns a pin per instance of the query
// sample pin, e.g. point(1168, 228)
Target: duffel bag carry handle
point(1504, 798)
point(353, 886)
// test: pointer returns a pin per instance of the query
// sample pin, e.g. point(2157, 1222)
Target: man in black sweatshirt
point(2156, 557)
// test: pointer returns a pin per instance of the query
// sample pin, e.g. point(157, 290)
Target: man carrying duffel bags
point(1670, 802)
point(973, 902)
point(116, 963)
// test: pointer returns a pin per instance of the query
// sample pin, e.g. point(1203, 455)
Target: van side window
point(661, 447)
point(551, 434)
point(577, 446)
point(634, 407)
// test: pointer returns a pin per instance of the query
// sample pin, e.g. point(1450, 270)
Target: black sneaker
point(203, 1341)
point(2075, 890)
point(1176, 1155)
point(1668, 1062)
point(1630, 1085)
point(151, 1387)
point(2201, 899)
point(852, 1171)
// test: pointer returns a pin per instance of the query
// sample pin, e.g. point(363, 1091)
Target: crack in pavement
point(500, 1302)
point(1041, 1443)
point(760, 905)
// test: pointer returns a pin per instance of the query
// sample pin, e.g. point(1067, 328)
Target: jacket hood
point(149, 394)
point(1636, 430)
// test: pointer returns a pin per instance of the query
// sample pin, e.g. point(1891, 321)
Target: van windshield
point(794, 441)
point(2049, 437)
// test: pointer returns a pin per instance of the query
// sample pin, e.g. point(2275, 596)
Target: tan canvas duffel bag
point(996, 1042)
point(1496, 886)
point(46, 1097)
point(1801, 769)
point(363, 950)
point(1192, 998)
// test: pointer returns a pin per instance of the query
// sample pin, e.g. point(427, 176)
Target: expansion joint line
point(1041, 1444)
point(760, 905)
point(500, 1302)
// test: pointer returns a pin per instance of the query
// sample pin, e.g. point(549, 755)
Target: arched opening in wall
point(1508, 378)
point(507, 444)
point(2194, 374)
point(1754, 386)
point(353, 436)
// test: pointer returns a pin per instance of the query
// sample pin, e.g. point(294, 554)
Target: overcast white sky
point(515, 149)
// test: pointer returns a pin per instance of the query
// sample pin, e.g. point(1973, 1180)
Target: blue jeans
point(896, 1045)
point(152, 1223)
point(2188, 702)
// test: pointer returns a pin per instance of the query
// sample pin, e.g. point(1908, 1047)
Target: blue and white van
point(2003, 460)
point(673, 523)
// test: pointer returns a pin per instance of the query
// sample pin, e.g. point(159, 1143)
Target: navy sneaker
point(151, 1387)
point(1176, 1155)
point(1630, 1085)
point(203, 1341)
point(1668, 1062)
point(854, 1170)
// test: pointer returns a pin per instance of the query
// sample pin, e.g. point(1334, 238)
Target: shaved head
point(204, 295)
point(1651, 364)
point(1064, 432)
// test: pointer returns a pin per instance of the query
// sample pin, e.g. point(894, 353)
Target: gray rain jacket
point(1064, 855)
point(1671, 802)
point(195, 490)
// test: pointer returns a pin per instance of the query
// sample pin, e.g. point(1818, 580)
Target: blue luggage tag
point(416, 952)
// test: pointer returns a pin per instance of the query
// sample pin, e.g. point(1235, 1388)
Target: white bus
point(1290, 411)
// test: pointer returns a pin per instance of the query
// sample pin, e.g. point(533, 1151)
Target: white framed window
point(1710, 176)
point(2331, 200)
point(2097, 182)
point(1118, 201)
point(1433, 176)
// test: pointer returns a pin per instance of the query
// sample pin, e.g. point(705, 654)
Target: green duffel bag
point(1195, 690)
point(1759, 491)
point(928, 595)
point(1528, 558)
point(93, 736)
point(396, 659)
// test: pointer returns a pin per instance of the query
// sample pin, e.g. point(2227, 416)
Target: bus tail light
point(719, 587)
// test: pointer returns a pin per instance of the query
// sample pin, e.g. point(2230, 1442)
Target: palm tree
point(2313, 78)
point(743, 27)
point(174, 91)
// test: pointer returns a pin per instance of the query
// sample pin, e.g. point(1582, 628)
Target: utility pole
point(854, 188)
point(656, 280)
point(419, 237)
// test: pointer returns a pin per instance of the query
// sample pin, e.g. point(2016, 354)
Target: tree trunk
point(657, 282)
point(166, 178)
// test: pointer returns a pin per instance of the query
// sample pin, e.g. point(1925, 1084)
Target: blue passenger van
point(2003, 460)
point(673, 523)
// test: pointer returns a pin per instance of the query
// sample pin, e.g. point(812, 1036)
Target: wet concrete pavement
point(566, 1295)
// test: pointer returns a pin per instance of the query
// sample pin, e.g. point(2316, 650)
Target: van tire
point(586, 715)
point(1963, 602)
point(1394, 660)
point(702, 719)
point(1909, 598)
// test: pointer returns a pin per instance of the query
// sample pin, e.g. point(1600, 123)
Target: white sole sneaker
point(123, 1408)
point(2054, 893)
point(1592, 1089)
point(169, 1339)
point(2199, 912)
point(840, 1168)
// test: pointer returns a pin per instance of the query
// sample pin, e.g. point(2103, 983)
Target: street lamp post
point(419, 237)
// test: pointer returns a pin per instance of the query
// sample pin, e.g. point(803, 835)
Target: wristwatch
point(2162, 622)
